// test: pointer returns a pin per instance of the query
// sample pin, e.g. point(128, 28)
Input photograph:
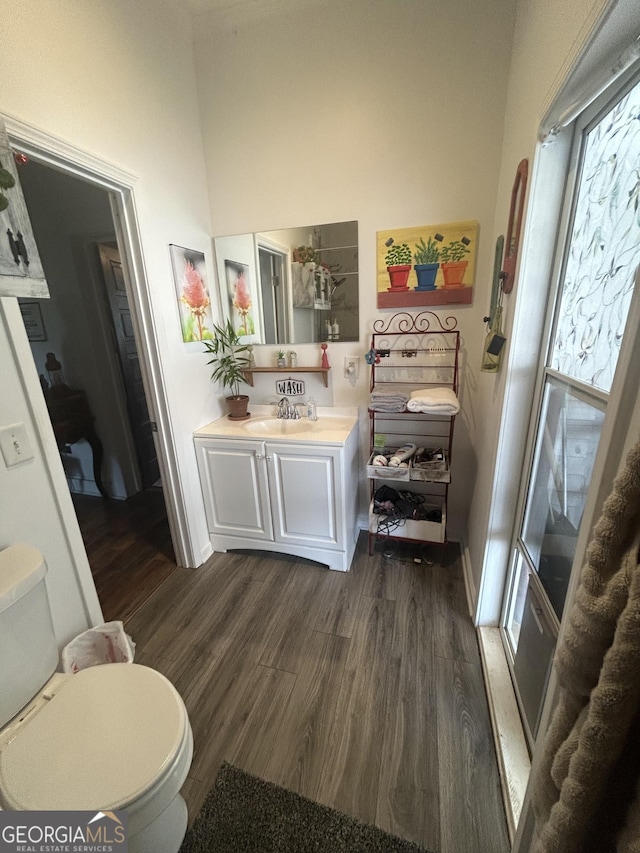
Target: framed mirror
point(291, 286)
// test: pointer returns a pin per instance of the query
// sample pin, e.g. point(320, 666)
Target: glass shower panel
point(604, 249)
point(567, 445)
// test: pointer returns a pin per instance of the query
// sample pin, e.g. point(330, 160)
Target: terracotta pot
point(238, 406)
point(398, 276)
point(453, 273)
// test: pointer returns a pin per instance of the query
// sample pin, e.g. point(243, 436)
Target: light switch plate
point(15, 444)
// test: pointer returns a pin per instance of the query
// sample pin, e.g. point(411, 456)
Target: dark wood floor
point(129, 548)
point(362, 690)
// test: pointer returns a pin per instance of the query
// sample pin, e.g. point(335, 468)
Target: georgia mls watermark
point(63, 832)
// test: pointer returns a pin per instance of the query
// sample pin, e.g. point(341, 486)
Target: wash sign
point(289, 387)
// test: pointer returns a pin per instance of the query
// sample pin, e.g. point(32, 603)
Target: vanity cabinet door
point(306, 494)
point(234, 483)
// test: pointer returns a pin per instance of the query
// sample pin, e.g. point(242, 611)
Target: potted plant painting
point(398, 261)
point(452, 262)
point(230, 360)
point(426, 257)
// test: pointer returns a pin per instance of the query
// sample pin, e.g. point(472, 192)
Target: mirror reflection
point(291, 286)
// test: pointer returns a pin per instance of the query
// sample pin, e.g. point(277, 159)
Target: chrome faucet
point(287, 411)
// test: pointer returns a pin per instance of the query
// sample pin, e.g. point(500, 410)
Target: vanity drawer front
point(306, 495)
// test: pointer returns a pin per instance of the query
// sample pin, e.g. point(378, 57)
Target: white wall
point(116, 80)
point(389, 113)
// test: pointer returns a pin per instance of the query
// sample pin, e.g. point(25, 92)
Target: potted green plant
point(305, 255)
point(230, 359)
point(426, 257)
point(281, 360)
point(398, 261)
point(452, 264)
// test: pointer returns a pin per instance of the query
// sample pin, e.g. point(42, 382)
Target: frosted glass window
point(604, 251)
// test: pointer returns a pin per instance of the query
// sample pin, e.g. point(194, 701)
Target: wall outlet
point(352, 366)
point(15, 444)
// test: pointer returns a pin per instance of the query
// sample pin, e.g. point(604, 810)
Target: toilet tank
point(28, 649)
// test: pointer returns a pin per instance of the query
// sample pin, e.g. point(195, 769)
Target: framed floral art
point(240, 297)
point(194, 302)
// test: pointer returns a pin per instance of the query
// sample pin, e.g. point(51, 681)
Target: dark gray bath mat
point(243, 814)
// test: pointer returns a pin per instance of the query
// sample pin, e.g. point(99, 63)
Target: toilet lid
point(101, 742)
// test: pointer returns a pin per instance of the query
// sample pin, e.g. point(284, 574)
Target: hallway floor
point(129, 548)
point(362, 690)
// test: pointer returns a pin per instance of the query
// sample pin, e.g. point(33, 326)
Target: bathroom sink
point(280, 426)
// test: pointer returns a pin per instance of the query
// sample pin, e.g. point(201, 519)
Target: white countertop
point(333, 426)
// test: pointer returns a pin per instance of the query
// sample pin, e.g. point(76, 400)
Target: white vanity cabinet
point(295, 496)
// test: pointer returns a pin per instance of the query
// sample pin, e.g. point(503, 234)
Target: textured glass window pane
point(564, 461)
point(604, 250)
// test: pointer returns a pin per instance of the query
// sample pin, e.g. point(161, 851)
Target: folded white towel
point(437, 401)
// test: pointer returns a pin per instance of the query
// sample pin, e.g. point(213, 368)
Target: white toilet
point(109, 737)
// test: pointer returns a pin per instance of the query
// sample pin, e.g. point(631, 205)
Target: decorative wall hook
point(516, 213)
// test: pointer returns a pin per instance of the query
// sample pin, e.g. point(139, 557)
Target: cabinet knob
point(258, 455)
point(268, 458)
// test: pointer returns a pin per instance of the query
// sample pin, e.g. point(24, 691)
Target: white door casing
point(120, 184)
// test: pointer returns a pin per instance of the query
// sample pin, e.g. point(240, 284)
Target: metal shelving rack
point(413, 352)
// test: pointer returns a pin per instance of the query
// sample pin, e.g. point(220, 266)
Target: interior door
point(141, 425)
point(272, 287)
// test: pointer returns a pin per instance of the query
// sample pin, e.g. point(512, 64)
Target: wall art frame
point(192, 292)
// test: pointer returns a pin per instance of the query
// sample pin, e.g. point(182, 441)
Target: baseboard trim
point(469, 585)
point(511, 747)
point(205, 552)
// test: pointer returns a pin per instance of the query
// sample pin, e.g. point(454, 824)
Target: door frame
point(284, 252)
point(617, 404)
point(620, 427)
point(120, 184)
